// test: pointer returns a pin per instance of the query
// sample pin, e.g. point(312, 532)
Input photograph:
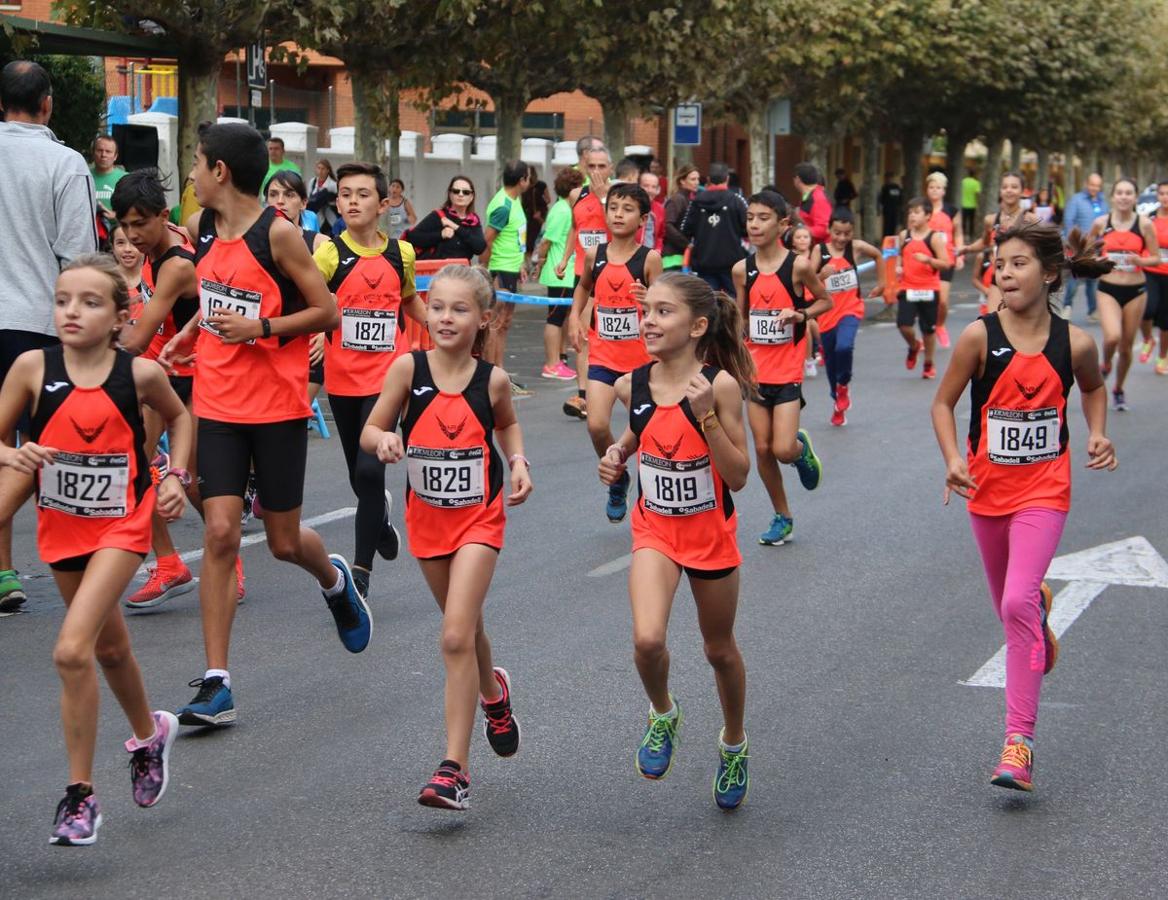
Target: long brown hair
point(722, 344)
point(1082, 254)
point(466, 178)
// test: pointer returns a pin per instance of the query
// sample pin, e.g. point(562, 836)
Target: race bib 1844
point(765, 327)
point(368, 330)
point(215, 297)
point(93, 485)
point(1019, 437)
point(447, 478)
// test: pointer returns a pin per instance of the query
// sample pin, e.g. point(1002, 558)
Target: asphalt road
point(870, 759)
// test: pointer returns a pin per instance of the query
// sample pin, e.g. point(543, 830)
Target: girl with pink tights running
point(1020, 363)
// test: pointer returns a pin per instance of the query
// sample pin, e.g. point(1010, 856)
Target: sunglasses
point(462, 192)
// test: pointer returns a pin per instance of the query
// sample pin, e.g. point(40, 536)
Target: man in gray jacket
point(1083, 209)
point(47, 208)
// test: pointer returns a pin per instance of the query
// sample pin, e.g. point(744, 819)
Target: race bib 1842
point(447, 478)
point(368, 330)
point(765, 327)
point(93, 485)
point(676, 487)
point(215, 297)
point(1019, 437)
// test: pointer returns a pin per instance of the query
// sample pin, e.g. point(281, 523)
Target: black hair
point(718, 173)
point(1161, 182)
point(142, 190)
point(291, 180)
point(627, 167)
point(772, 199)
point(841, 214)
point(242, 150)
point(514, 171)
point(922, 203)
point(633, 191)
point(1129, 180)
point(276, 140)
point(348, 170)
point(399, 183)
point(24, 85)
point(807, 173)
point(1081, 254)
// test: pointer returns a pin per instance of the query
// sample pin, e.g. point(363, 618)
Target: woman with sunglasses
point(453, 231)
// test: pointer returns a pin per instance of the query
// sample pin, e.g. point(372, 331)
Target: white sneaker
point(810, 370)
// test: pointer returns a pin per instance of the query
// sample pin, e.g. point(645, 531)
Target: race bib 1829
point(447, 478)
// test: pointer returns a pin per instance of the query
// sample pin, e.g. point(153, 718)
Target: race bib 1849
point(842, 281)
point(93, 485)
point(618, 323)
point(368, 330)
point(765, 327)
point(215, 297)
point(1019, 437)
point(676, 487)
point(447, 478)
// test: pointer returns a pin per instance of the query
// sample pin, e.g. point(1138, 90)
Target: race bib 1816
point(590, 239)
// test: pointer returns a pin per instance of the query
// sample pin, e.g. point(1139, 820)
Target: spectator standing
point(1082, 211)
point(845, 190)
point(106, 174)
point(891, 199)
point(716, 221)
point(276, 162)
point(506, 235)
point(46, 219)
point(652, 235)
point(814, 205)
point(970, 192)
point(322, 195)
point(535, 207)
point(686, 183)
point(551, 249)
point(401, 211)
point(454, 231)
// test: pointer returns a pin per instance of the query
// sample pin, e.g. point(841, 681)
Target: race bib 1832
point(368, 330)
point(447, 478)
point(1019, 437)
point(842, 281)
point(93, 485)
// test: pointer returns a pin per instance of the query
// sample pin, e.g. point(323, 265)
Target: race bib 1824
point(618, 323)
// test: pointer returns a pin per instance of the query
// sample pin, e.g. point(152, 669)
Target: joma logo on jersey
point(451, 433)
point(89, 435)
point(667, 450)
point(1029, 391)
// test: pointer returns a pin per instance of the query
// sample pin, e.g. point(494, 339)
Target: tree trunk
point(198, 94)
point(366, 137)
point(870, 187)
point(1069, 183)
point(760, 158)
point(508, 129)
point(616, 117)
point(1015, 156)
point(910, 142)
point(1043, 175)
point(815, 152)
point(955, 167)
point(393, 129)
point(991, 177)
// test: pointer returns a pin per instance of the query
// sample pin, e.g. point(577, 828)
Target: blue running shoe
point(655, 755)
point(213, 704)
point(780, 530)
point(354, 623)
point(732, 781)
point(808, 465)
point(618, 500)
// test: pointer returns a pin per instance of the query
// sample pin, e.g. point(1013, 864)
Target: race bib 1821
point(447, 478)
point(765, 327)
point(368, 330)
point(215, 297)
point(676, 487)
point(1019, 437)
point(92, 485)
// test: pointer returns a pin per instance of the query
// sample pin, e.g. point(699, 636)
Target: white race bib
point(93, 485)
point(842, 281)
point(214, 297)
point(368, 330)
point(1121, 262)
point(145, 295)
point(913, 295)
point(590, 239)
point(1164, 256)
point(447, 478)
point(765, 327)
point(1020, 437)
point(618, 323)
point(676, 487)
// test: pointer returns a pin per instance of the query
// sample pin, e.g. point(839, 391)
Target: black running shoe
point(449, 788)
point(389, 543)
point(499, 725)
point(249, 496)
point(361, 581)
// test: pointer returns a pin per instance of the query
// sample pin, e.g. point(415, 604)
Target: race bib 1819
point(676, 487)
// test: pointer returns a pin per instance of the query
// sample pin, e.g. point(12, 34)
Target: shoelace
point(445, 778)
point(660, 729)
point(140, 763)
point(734, 775)
point(207, 688)
point(72, 804)
point(1016, 755)
point(498, 718)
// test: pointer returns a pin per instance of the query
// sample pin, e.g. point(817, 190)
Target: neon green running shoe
point(732, 781)
point(655, 755)
point(12, 595)
point(808, 465)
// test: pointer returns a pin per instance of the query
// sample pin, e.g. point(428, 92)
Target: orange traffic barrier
point(416, 332)
point(891, 255)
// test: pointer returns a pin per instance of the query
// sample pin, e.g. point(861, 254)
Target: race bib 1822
point(92, 485)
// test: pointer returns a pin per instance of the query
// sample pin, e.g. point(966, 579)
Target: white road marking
point(1132, 561)
point(611, 568)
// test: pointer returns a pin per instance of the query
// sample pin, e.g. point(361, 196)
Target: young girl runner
point(801, 243)
point(772, 287)
point(839, 325)
point(453, 407)
point(918, 267)
point(1010, 213)
point(129, 266)
point(1156, 309)
point(944, 219)
point(96, 497)
point(1016, 472)
point(1129, 240)
point(685, 427)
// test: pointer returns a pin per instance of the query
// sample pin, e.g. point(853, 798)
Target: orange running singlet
point(1160, 223)
point(454, 476)
point(368, 289)
point(182, 311)
point(942, 223)
point(683, 510)
point(614, 338)
point(778, 350)
point(1117, 244)
point(916, 276)
point(591, 226)
point(96, 493)
point(262, 380)
point(1018, 432)
point(843, 286)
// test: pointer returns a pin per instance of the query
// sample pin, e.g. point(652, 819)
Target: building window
point(481, 122)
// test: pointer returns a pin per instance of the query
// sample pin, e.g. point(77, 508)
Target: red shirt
point(843, 287)
point(816, 209)
point(591, 226)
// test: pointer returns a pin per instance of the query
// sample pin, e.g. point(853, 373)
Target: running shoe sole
point(166, 756)
point(573, 412)
point(169, 594)
point(227, 717)
point(487, 725)
point(1009, 781)
point(436, 801)
point(12, 601)
point(1051, 641)
point(78, 842)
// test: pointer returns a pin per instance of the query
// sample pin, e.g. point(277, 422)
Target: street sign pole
point(257, 78)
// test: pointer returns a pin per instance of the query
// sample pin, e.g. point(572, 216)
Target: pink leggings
point(1016, 551)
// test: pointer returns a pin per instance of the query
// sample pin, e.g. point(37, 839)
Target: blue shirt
point(1082, 211)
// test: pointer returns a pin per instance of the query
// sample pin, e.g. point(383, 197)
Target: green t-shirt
point(273, 168)
point(555, 229)
point(506, 217)
point(103, 185)
point(970, 188)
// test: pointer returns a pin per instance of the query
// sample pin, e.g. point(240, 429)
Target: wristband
point(711, 415)
point(266, 325)
point(514, 456)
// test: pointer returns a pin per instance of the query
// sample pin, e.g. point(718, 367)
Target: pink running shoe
point(564, 372)
point(164, 582)
point(149, 763)
point(1016, 768)
point(78, 818)
point(1146, 351)
point(943, 337)
point(548, 372)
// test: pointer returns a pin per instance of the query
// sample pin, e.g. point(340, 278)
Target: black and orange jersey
point(184, 307)
point(1119, 242)
point(778, 349)
point(684, 509)
point(261, 380)
point(614, 338)
point(97, 492)
point(454, 475)
point(1160, 224)
point(917, 275)
point(1017, 447)
point(588, 218)
point(369, 297)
